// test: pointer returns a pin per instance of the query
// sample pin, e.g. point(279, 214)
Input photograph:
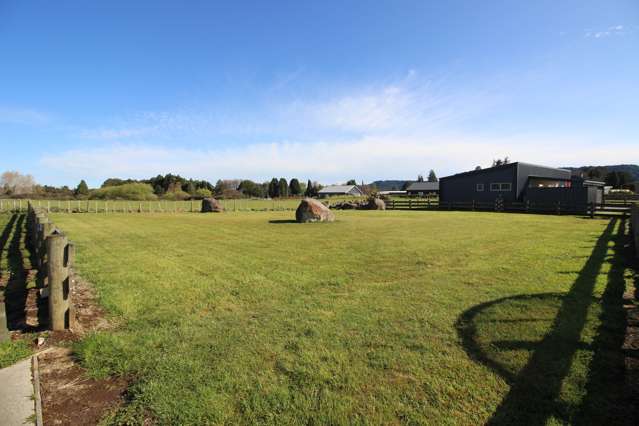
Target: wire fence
point(155, 206)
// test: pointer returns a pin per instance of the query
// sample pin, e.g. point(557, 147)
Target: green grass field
point(380, 317)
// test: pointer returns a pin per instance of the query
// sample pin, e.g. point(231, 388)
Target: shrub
point(203, 193)
point(176, 195)
point(128, 191)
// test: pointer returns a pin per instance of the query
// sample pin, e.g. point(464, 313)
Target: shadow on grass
point(534, 396)
point(16, 291)
point(280, 221)
point(4, 238)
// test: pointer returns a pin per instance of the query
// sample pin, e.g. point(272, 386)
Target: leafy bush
point(176, 195)
point(128, 191)
point(203, 193)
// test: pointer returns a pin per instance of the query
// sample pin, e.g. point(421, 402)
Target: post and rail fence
point(607, 207)
point(589, 209)
point(54, 256)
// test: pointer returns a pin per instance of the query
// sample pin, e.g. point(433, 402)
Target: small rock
point(211, 205)
point(40, 341)
point(376, 204)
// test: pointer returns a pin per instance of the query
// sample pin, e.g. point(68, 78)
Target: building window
point(501, 186)
point(480, 187)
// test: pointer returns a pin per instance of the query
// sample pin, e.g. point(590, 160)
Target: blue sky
point(321, 90)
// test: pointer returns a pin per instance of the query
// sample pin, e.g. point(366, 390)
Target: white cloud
point(393, 130)
point(615, 30)
point(25, 116)
point(399, 107)
point(363, 112)
point(368, 158)
point(115, 134)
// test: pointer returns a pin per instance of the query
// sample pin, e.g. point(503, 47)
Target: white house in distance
point(334, 190)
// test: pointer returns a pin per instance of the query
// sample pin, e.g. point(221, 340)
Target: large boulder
point(311, 210)
point(211, 205)
point(375, 204)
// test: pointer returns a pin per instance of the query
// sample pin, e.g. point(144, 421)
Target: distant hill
point(389, 185)
point(631, 169)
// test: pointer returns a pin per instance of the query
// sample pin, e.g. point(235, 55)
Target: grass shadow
point(281, 221)
point(4, 238)
point(534, 395)
point(16, 290)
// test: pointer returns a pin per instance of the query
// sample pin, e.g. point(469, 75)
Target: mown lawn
point(380, 317)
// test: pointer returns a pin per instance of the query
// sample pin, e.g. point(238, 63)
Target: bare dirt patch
point(69, 397)
point(86, 313)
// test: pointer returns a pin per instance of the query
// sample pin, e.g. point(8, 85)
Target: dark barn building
point(520, 182)
point(421, 189)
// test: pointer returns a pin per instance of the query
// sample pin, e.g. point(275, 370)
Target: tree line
point(167, 187)
point(618, 179)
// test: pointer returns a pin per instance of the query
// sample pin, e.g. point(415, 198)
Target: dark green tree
point(294, 187)
point(311, 190)
point(432, 177)
point(283, 187)
point(351, 182)
point(250, 188)
point(273, 188)
point(618, 179)
point(219, 187)
point(190, 187)
point(82, 189)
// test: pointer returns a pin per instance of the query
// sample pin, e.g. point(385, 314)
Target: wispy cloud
point(24, 116)
point(365, 158)
point(616, 30)
point(392, 130)
point(404, 106)
point(115, 134)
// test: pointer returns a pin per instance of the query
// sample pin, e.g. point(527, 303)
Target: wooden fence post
point(45, 230)
point(58, 278)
